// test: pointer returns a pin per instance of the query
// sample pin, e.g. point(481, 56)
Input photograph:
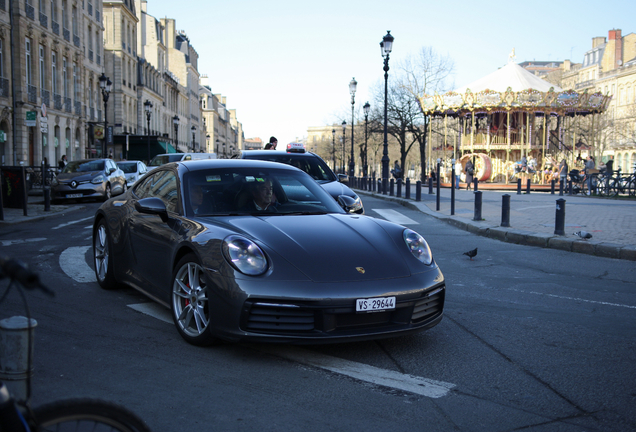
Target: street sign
point(30, 118)
point(44, 121)
point(109, 135)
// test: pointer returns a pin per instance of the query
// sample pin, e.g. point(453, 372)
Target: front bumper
point(83, 190)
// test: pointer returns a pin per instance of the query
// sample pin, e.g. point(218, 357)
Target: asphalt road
point(532, 339)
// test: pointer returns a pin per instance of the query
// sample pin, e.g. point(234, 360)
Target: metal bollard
point(407, 192)
point(475, 184)
point(561, 187)
point(552, 182)
point(399, 188)
point(559, 220)
point(505, 210)
point(528, 186)
point(518, 186)
point(14, 354)
point(385, 186)
point(418, 191)
point(477, 206)
point(373, 184)
point(437, 198)
point(392, 187)
point(430, 185)
point(570, 186)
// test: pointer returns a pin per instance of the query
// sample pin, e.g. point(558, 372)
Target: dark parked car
point(258, 251)
point(89, 178)
point(313, 165)
point(133, 170)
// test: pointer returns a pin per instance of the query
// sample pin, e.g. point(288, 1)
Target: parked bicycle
point(617, 184)
point(580, 182)
point(81, 415)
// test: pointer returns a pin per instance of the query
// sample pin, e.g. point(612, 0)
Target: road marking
point(13, 242)
point(154, 310)
point(71, 223)
point(577, 299)
point(360, 371)
point(74, 265)
point(396, 217)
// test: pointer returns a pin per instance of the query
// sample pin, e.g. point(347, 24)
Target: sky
point(285, 66)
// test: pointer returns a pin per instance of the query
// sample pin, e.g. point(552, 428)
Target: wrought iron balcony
point(99, 59)
point(44, 20)
point(46, 97)
point(57, 101)
point(67, 35)
point(55, 27)
point(3, 5)
point(4, 87)
point(76, 40)
point(30, 11)
point(90, 55)
point(67, 105)
point(92, 111)
point(78, 108)
point(32, 93)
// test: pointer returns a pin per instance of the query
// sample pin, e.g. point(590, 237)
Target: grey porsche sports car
point(246, 250)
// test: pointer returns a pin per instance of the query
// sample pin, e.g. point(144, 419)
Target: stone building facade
point(610, 67)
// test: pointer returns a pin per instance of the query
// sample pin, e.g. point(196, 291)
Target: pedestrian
point(62, 163)
point(271, 145)
point(563, 171)
point(589, 166)
point(470, 171)
point(458, 173)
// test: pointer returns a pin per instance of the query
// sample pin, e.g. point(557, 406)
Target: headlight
point(98, 179)
point(418, 246)
point(244, 255)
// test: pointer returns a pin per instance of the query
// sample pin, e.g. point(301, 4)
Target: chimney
point(600, 40)
point(618, 47)
point(567, 64)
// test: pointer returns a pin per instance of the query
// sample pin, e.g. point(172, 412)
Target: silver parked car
point(133, 170)
point(89, 178)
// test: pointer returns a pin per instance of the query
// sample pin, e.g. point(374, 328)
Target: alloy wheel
point(190, 302)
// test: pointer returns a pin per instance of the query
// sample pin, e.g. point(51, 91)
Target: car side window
point(141, 190)
point(164, 187)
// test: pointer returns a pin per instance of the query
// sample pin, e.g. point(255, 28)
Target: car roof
point(276, 152)
point(203, 164)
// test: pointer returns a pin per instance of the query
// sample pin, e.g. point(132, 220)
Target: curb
point(55, 210)
point(526, 238)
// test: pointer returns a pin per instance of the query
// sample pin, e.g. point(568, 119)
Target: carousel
point(507, 115)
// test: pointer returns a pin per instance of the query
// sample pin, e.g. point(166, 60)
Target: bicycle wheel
point(604, 186)
point(631, 187)
point(83, 415)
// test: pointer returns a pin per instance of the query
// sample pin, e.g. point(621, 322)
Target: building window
point(65, 77)
point(29, 73)
point(54, 71)
point(75, 31)
point(53, 10)
point(42, 69)
point(1, 59)
point(64, 17)
point(76, 89)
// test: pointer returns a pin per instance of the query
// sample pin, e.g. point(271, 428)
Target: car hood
point(335, 189)
point(78, 176)
point(329, 248)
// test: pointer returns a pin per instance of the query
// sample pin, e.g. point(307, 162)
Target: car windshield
point(238, 191)
point(128, 167)
point(312, 165)
point(84, 166)
point(164, 159)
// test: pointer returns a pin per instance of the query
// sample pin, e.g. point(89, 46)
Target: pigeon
point(471, 254)
point(583, 234)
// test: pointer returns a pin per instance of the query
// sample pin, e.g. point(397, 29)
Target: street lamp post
point(148, 108)
point(386, 46)
point(175, 121)
point(207, 144)
point(365, 165)
point(333, 148)
point(105, 84)
point(344, 143)
point(194, 129)
point(352, 89)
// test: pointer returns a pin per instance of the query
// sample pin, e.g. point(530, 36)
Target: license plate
point(74, 195)
point(375, 304)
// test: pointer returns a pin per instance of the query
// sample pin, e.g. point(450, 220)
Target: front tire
point(108, 192)
point(101, 256)
point(190, 307)
point(86, 414)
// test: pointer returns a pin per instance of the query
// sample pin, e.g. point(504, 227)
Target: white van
point(162, 159)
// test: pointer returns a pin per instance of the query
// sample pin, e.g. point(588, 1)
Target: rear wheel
point(190, 306)
point(108, 193)
point(86, 415)
point(101, 253)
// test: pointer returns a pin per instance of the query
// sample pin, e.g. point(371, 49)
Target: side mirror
point(153, 206)
point(347, 203)
point(111, 170)
point(343, 178)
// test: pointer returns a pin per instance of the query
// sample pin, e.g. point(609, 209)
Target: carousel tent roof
point(512, 75)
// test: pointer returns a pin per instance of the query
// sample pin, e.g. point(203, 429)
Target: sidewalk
point(612, 222)
point(35, 211)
